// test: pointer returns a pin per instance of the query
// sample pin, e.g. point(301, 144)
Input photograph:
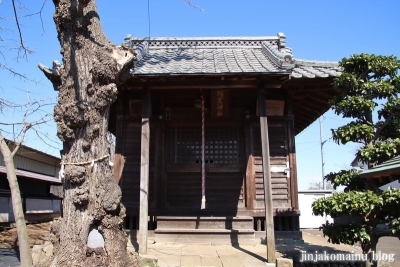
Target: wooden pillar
point(292, 153)
point(144, 172)
point(269, 215)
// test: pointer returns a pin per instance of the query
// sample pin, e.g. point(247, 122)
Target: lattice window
point(223, 144)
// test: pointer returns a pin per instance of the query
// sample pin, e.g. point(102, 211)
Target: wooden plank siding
point(130, 182)
point(278, 158)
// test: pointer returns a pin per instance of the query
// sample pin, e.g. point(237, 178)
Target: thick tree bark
point(23, 240)
point(92, 69)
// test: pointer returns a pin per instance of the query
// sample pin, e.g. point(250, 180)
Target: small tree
point(368, 93)
point(8, 151)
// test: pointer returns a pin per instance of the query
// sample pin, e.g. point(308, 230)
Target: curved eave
point(310, 99)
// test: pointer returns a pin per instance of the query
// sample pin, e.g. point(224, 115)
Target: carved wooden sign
point(274, 107)
point(220, 103)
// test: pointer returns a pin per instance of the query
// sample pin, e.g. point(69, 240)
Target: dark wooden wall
point(131, 174)
point(234, 176)
point(278, 155)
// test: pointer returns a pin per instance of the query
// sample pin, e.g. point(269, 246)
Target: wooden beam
point(269, 215)
point(144, 172)
point(301, 106)
point(316, 98)
point(202, 83)
point(315, 89)
point(310, 103)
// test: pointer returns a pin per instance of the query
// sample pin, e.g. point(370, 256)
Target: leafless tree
point(93, 67)
point(9, 148)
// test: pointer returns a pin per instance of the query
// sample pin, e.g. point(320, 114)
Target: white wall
point(306, 198)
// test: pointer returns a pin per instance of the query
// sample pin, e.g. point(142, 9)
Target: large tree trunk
point(92, 69)
point(23, 240)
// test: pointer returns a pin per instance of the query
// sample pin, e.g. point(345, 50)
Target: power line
point(148, 17)
point(322, 152)
point(309, 148)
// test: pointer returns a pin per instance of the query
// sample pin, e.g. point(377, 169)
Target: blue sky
point(317, 30)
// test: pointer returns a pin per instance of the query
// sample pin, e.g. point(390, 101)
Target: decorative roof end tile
point(142, 50)
point(281, 40)
point(281, 58)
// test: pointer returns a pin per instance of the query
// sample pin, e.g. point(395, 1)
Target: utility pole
point(322, 151)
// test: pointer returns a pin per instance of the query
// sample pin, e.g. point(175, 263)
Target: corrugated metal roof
point(387, 168)
point(223, 55)
point(33, 175)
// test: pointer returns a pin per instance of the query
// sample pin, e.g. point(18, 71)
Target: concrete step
point(174, 222)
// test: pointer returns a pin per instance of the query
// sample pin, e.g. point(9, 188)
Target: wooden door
point(224, 166)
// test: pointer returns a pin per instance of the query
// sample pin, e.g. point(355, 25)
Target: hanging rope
point(203, 162)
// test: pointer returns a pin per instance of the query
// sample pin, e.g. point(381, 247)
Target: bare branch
point(37, 122)
point(18, 144)
point(30, 109)
point(40, 135)
point(37, 13)
point(22, 47)
point(39, 108)
point(15, 73)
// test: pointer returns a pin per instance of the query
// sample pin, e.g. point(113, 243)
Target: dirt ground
point(38, 234)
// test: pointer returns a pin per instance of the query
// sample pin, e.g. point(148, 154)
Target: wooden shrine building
point(205, 137)
point(257, 97)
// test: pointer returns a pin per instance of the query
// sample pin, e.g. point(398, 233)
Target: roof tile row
point(165, 56)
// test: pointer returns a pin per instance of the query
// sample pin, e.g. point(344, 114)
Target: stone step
point(227, 236)
point(229, 223)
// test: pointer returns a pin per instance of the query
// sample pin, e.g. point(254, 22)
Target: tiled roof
point(387, 168)
point(223, 55)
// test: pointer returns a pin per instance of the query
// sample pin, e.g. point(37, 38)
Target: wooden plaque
point(220, 103)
